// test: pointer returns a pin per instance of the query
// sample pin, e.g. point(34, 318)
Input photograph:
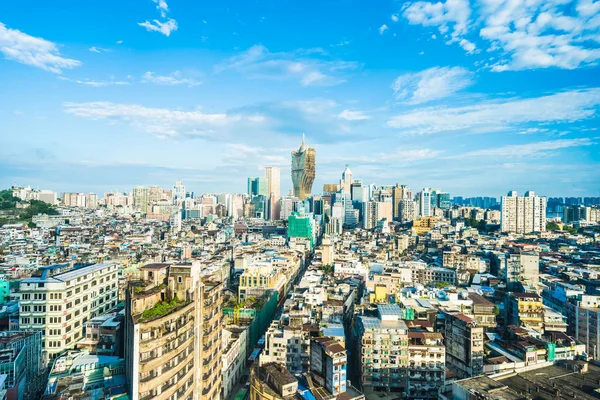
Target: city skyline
point(427, 96)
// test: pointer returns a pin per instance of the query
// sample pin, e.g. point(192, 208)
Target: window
point(179, 279)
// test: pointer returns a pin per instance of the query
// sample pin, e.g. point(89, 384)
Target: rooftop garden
point(162, 308)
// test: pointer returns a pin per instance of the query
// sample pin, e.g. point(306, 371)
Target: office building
point(523, 214)
point(273, 184)
point(59, 305)
point(173, 334)
point(346, 182)
point(424, 203)
point(303, 170)
point(257, 186)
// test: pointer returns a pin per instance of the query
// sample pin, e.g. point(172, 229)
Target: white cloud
point(161, 122)
point(469, 47)
point(98, 50)
point(30, 50)
point(93, 83)
point(119, 42)
point(431, 84)
point(306, 66)
point(353, 115)
point(529, 149)
point(173, 79)
point(403, 155)
point(495, 115)
point(526, 35)
point(162, 6)
point(382, 29)
point(394, 18)
point(163, 27)
point(452, 16)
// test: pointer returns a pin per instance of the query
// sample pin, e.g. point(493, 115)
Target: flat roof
point(69, 275)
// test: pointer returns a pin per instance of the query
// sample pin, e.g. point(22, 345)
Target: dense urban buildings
point(362, 291)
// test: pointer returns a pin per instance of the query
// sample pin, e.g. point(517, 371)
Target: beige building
point(523, 214)
point(59, 305)
point(173, 334)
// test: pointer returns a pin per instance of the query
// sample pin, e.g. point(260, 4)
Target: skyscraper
point(273, 176)
point(523, 214)
point(303, 170)
point(346, 182)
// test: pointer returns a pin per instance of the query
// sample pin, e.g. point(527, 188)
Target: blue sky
point(474, 97)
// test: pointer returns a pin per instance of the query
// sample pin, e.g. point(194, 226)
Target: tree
point(441, 285)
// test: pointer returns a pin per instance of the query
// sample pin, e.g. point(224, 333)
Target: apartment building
point(383, 351)
point(523, 214)
point(426, 367)
point(521, 270)
point(484, 311)
point(173, 334)
point(461, 262)
point(464, 344)
point(525, 309)
point(328, 361)
point(287, 346)
point(583, 313)
point(257, 279)
point(60, 304)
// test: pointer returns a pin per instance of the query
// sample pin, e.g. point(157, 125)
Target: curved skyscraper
point(303, 170)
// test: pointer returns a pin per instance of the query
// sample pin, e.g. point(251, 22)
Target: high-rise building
point(257, 186)
point(303, 170)
point(399, 193)
point(424, 203)
point(91, 200)
point(178, 192)
point(286, 207)
point(173, 334)
point(140, 199)
point(406, 210)
point(301, 225)
point(523, 214)
point(273, 178)
point(346, 182)
point(60, 304)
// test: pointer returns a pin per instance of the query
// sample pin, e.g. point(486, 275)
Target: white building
point(523, 214)
point(59, 305)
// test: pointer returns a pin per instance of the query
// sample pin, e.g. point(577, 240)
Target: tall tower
point(346, 181)
point(273, 176)
point(303, 170)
